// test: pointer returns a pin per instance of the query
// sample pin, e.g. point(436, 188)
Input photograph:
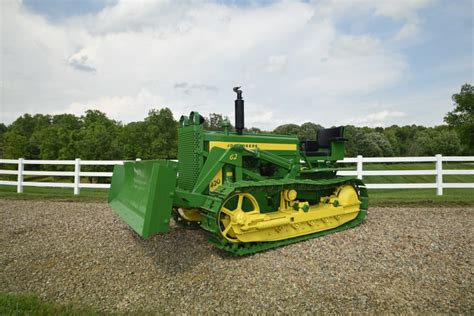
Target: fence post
point(19, 186)
point(439, 175)
point(77, 178)
point(359, 167)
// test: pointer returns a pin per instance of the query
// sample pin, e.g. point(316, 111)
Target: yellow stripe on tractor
point(263, 146)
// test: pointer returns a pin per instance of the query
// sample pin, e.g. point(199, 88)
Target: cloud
point(80, 62)
point(408, 31)
point(187, 88)
point(260, 116)
point(290, 58)
point(377, 119)
point(390, 8)
point(404, 11)
point(121, 108)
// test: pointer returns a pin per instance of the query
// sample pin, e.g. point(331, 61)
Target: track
point(211, 214)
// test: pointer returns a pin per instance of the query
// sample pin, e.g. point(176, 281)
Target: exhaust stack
point(239, 111)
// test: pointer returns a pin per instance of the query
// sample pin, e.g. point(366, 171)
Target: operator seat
point(322, 145)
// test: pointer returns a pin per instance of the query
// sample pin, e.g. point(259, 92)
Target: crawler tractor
point(249, 192)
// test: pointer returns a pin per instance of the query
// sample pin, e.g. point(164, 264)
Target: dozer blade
point(142, 194)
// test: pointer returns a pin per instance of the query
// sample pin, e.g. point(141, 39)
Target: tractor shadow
point(177, 252)
point(180, 250)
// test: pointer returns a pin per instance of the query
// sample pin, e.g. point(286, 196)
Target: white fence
point(77, 173)
point(359, 172)
point(438, 172)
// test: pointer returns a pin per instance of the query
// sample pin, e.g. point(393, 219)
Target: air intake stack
point(239, 111)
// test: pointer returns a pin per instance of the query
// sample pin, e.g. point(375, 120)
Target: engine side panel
point(190, 146)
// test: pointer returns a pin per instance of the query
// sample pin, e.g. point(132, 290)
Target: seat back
point(325, 135)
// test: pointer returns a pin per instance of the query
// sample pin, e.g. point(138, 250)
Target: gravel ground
point(400, 260)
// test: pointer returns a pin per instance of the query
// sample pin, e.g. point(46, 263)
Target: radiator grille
point(190, 160)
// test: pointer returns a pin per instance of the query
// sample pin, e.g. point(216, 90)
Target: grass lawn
point(62, 194)
point(421, 197)
point(23, 304)
point(415, 166)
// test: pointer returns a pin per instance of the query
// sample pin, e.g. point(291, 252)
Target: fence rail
point(359, 172)
point(438, 172)
point(77, 173)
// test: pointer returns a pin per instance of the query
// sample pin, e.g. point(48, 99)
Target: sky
point(360, 62)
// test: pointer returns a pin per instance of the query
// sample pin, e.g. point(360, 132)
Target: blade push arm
point(218, 157)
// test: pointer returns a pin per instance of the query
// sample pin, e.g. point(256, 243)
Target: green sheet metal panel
point(141, 194)
point(190, 146)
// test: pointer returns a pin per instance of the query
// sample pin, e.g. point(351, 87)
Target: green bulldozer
point(249, 192)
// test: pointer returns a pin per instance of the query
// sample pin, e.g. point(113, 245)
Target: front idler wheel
point(234, 212)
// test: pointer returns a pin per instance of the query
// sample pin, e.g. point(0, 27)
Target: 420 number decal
point(214, 184)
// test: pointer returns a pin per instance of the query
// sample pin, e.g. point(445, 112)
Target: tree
point(367, 147)
point(3, 129)
point(383, 144)
point(134, 141)
point(15, 145)
point(287, 129)
point(462, 117)
point(18, 141)
point(214, 122)
point(352, 133)
point(366, 142)
point(391, 135)
point(98, 137)
point(26, 124)
point(308, 131)
point(58, 141)
point(432, 141)
point(406, 136)
point(254, 130)
point(374, 144)
point(448, 143)
point(161, 130)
